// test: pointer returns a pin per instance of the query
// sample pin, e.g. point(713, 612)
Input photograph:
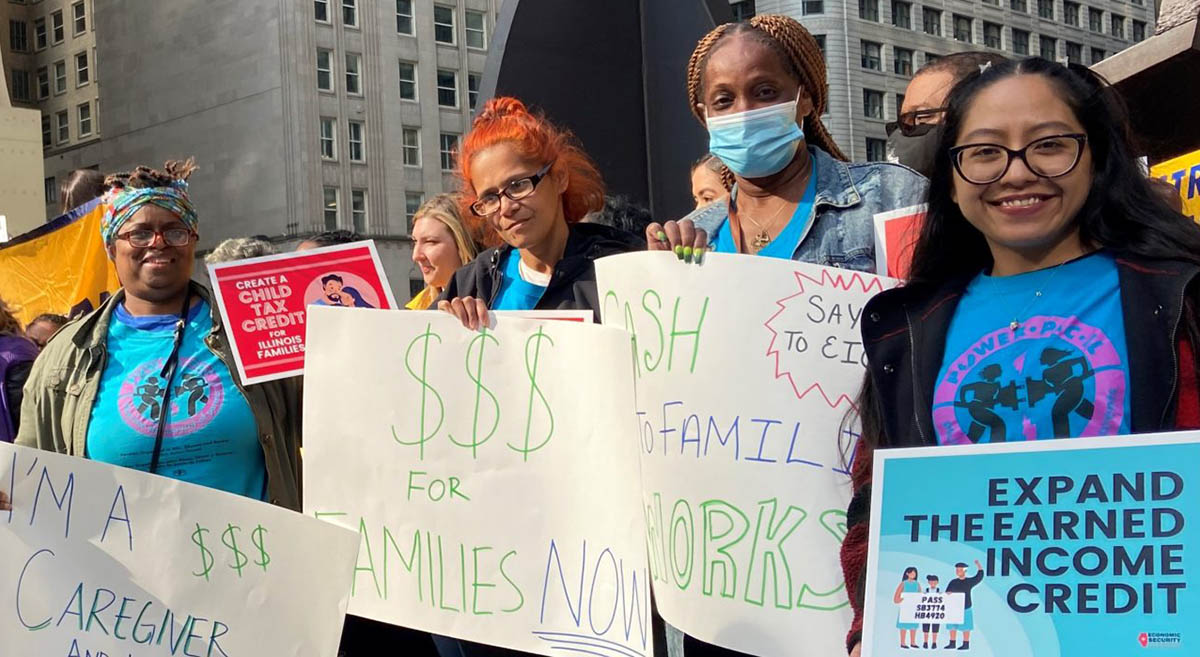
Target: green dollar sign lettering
point(230, 540)
point(531, 368)
point(206, 555)
point(480, 390)
point(423, 437)
point(256, 537)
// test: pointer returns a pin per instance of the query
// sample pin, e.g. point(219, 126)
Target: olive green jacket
point(65, 380)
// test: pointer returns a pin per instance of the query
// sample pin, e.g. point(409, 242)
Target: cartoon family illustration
point(960, 584)
point(335, 292)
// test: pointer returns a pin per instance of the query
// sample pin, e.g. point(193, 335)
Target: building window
point(1020, 42)
point(321, 10)
point(79, 17)
point(20, 85)
point(1095, 20)
point(443, 24)
point(404, 17)
point(1046, 9)
point(449, 144)
point(85, 119)
point(931, 21)
point(810, 7)
point(902, 14)
point(876, 149)
point(872, 55)
point(820, 43)
point(1048, 47)
point(902, 61)
point(358, 210)
point(82, 76)
point(931, 57)
point(1118, 26)
point(39, 33)
point(868, 10)
point(330, 208)
point(58, 32)
point(743, 10)
point(358, 149)
point(1139, 31)
point(899, 104)
point(1071, 13)
point(476, 31)
point(962, 28)
point(447, 88)
point(1098, 55)
point(991, 35)
point(353, 73)
point(411, 146)
point(408, 81)
point(350, 13)
point(18, 37)
point(1074, 53)
point(412, 203)
point(47, 133)
point(325, 70)
point(64, 127)
point(50, 190)
point(328, 138)
point(60, 77)
point(473, 80)
point(872, 104)
point(43, 83)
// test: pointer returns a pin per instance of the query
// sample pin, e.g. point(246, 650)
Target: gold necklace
point(763, 238)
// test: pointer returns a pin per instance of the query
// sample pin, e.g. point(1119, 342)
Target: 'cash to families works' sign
point(745, 370)
point(103, 561)
point(1063, 548)
point(264, 301)
point(491, 476)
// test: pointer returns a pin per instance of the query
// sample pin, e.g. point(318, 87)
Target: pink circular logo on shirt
point(196, 398)
point(1056, 371)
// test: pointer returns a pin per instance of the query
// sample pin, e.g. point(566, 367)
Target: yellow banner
point(1184, 173)
point(60, 267)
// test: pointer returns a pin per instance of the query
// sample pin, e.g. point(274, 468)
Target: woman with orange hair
point(533, 184)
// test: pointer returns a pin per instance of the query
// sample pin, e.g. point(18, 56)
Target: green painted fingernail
point(679, 251)
point(699, 254)
point(687, 253)
point(662, 237)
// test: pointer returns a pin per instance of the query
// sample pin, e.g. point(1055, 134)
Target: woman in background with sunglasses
point(147, 381)
point(1053, 293)
point(533, 184)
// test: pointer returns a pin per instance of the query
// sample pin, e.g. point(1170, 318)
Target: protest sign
point(60, 267)
point(491, 474)
point(264, 301)
point(100, 560)
point(745, 370)
point(896, 234)
point(1184, 173)
point(1061, 548)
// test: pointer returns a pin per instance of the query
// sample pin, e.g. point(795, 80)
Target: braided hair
point(800, 54)
point(714, 164)
point(144, 177)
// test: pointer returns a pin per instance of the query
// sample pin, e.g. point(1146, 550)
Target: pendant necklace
point(1015, 324)
point(762, 237)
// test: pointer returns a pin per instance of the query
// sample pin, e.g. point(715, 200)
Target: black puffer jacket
point(573, 283)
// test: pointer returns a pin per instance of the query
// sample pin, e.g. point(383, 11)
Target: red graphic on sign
point(264, 301)
point(1144, 639)
point(896, 235)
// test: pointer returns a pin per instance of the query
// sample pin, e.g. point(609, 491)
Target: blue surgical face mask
point(756, 143)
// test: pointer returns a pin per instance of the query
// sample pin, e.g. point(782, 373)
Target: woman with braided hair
point(759, 87)
point(146, 380)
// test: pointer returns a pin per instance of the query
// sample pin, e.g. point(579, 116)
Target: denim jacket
point(849, 195)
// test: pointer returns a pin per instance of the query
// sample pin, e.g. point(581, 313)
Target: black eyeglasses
point(515, 190)
point(144, 237)
point(916, 122)
point(1048, 157)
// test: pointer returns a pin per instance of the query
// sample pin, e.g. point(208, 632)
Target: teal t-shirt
point(210, 438)
point(516, 293)
point(788, 240)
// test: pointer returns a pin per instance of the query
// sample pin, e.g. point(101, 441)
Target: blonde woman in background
point(441, 244)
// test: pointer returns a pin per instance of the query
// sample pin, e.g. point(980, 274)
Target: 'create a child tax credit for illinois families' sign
point(745, 369)
point(100, 560)
point(491, 474)
point(1058, 548)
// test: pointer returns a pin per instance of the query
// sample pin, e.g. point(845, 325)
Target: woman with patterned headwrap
point(146, 381)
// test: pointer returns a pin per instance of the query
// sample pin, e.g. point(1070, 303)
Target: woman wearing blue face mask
point(759, 87)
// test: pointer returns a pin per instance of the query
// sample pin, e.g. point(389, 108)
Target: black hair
point(961, 64)
point(931, 578)
point(334, 237)
point(910, 569)
point(623, 214)
point(332, 277)
point(50, 318)
point(960, 565)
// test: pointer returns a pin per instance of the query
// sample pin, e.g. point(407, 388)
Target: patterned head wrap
point(121, 203)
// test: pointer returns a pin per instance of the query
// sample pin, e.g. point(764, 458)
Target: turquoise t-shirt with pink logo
point(211, 437)
point(1062, 372)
